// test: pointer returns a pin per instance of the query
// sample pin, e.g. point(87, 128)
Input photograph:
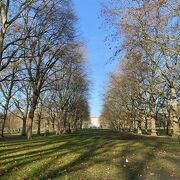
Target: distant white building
point(95, 122)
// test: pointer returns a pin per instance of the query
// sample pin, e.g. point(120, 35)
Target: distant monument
point(94, 122)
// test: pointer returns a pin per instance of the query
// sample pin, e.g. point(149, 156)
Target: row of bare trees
point(145, 89)
point(42, 67)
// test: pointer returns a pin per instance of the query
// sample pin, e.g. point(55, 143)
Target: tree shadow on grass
point(137, 168)
point(86, 158)
point(64, 146)
point(72, 166)
point(143, 163)
point(19, 161)
point(84, 150)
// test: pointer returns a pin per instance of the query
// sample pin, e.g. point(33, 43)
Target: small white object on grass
point(127, 160)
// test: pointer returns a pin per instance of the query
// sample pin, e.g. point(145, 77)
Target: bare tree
point(12, 34)
point(8, 91)
point(150, 28)
point(53, 31)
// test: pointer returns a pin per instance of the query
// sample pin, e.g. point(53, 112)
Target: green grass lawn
point(90, 154)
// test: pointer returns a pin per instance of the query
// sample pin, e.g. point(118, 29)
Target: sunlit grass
point(90, 154)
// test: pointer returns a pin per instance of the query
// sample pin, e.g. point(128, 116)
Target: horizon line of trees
point(144, 92)
point(42, 66)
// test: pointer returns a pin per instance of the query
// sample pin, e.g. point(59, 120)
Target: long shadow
point(84, 158)
point(67, 145)
point(85, 145)
point(36, 155)
point(23, 147)
point(30, 154)
point(75, 165)
point(24, 163)
point(137, 169)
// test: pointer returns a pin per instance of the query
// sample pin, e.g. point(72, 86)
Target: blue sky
point(88, 12)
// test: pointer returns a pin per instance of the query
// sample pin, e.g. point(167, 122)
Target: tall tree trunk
point(1, 127)
point(173, 113)
point(64, 118)
point(68, 128)
point(58, 128)
point(75, 123)
point(81, 124)
point(4, 117)
point(139, 128)
point(3, 124)
point(31, 116)
point(53, 126)
point(39, 127)
point(146, 124)
point(153, 126)
point(46, 128)
point(153, 115)
point(30, 123)
point(168, 126)
point(23, 133)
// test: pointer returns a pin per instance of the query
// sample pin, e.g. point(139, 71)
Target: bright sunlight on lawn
point(90, 154)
